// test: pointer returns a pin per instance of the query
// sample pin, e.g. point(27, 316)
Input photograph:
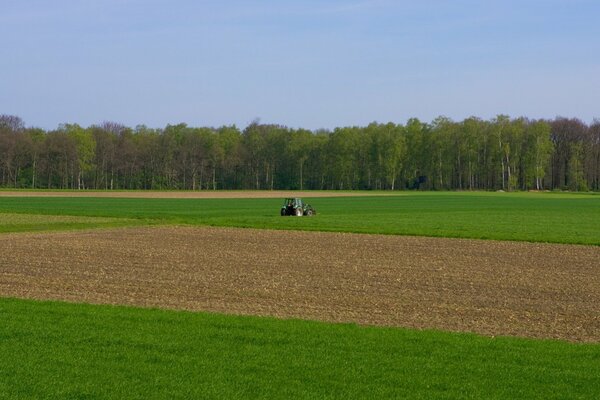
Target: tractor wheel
point(299, 212)
point(309, 213)
point(283, 214)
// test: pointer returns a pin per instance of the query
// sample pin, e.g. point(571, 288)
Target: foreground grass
point(57, 350)
point(536, 217)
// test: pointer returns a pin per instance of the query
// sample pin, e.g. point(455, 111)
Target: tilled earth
point(488, 287)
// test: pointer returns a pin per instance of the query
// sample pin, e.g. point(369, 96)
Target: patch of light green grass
point(58, 350)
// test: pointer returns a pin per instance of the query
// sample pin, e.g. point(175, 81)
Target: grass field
point(55, 350)
point(67, 351)
point(536, 217)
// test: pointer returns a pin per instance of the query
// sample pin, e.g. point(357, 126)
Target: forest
point(502, 153)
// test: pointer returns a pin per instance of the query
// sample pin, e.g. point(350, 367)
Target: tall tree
point(577, 180)
point(229, 157)
point(500, 127)
point(593, 164)
point(539, 150)
point(393, 152)
point(501, 153)
point(564, 133)
point(10, 127)
point(85, 147)
point(299, 146)
point(417, 157)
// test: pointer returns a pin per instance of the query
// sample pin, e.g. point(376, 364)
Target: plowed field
point(488, 287)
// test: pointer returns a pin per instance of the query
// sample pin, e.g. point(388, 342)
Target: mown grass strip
point(535, 217)
point(38, 223)
point(58, 350)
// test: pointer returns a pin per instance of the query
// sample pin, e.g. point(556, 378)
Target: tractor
point(295, 206)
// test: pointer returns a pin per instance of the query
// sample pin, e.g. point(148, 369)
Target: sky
point(310, 64)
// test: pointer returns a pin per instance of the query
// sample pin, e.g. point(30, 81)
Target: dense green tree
point(84, 147)
point(564, 133)
point(441, 154)
point(388, 153)
point(539, 149)
point(502, 153)
point(416, 133)
point(299, 148)
point(10, 129)
point(577, 180)
point(228, 153)
point(592, 166)
point(342, 158)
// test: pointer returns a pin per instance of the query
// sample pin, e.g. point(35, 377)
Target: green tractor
point(295, 206)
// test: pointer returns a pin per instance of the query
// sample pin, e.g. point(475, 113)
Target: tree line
point(502, 153)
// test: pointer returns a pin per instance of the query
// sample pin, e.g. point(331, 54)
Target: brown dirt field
point(204, 194)
point(487, 287)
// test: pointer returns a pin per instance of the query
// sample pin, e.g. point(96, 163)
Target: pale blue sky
point(312, 64)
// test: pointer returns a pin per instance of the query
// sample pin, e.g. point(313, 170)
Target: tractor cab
point(295, 206)
point(290, 205)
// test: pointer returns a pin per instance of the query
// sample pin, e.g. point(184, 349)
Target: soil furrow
point(488, 287)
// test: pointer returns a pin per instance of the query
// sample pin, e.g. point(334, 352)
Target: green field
point(66, 351)
point(536, 217)
point(53, 350)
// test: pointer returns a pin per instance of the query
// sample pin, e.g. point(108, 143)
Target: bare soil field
point(487, 287)
point(203, 194)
